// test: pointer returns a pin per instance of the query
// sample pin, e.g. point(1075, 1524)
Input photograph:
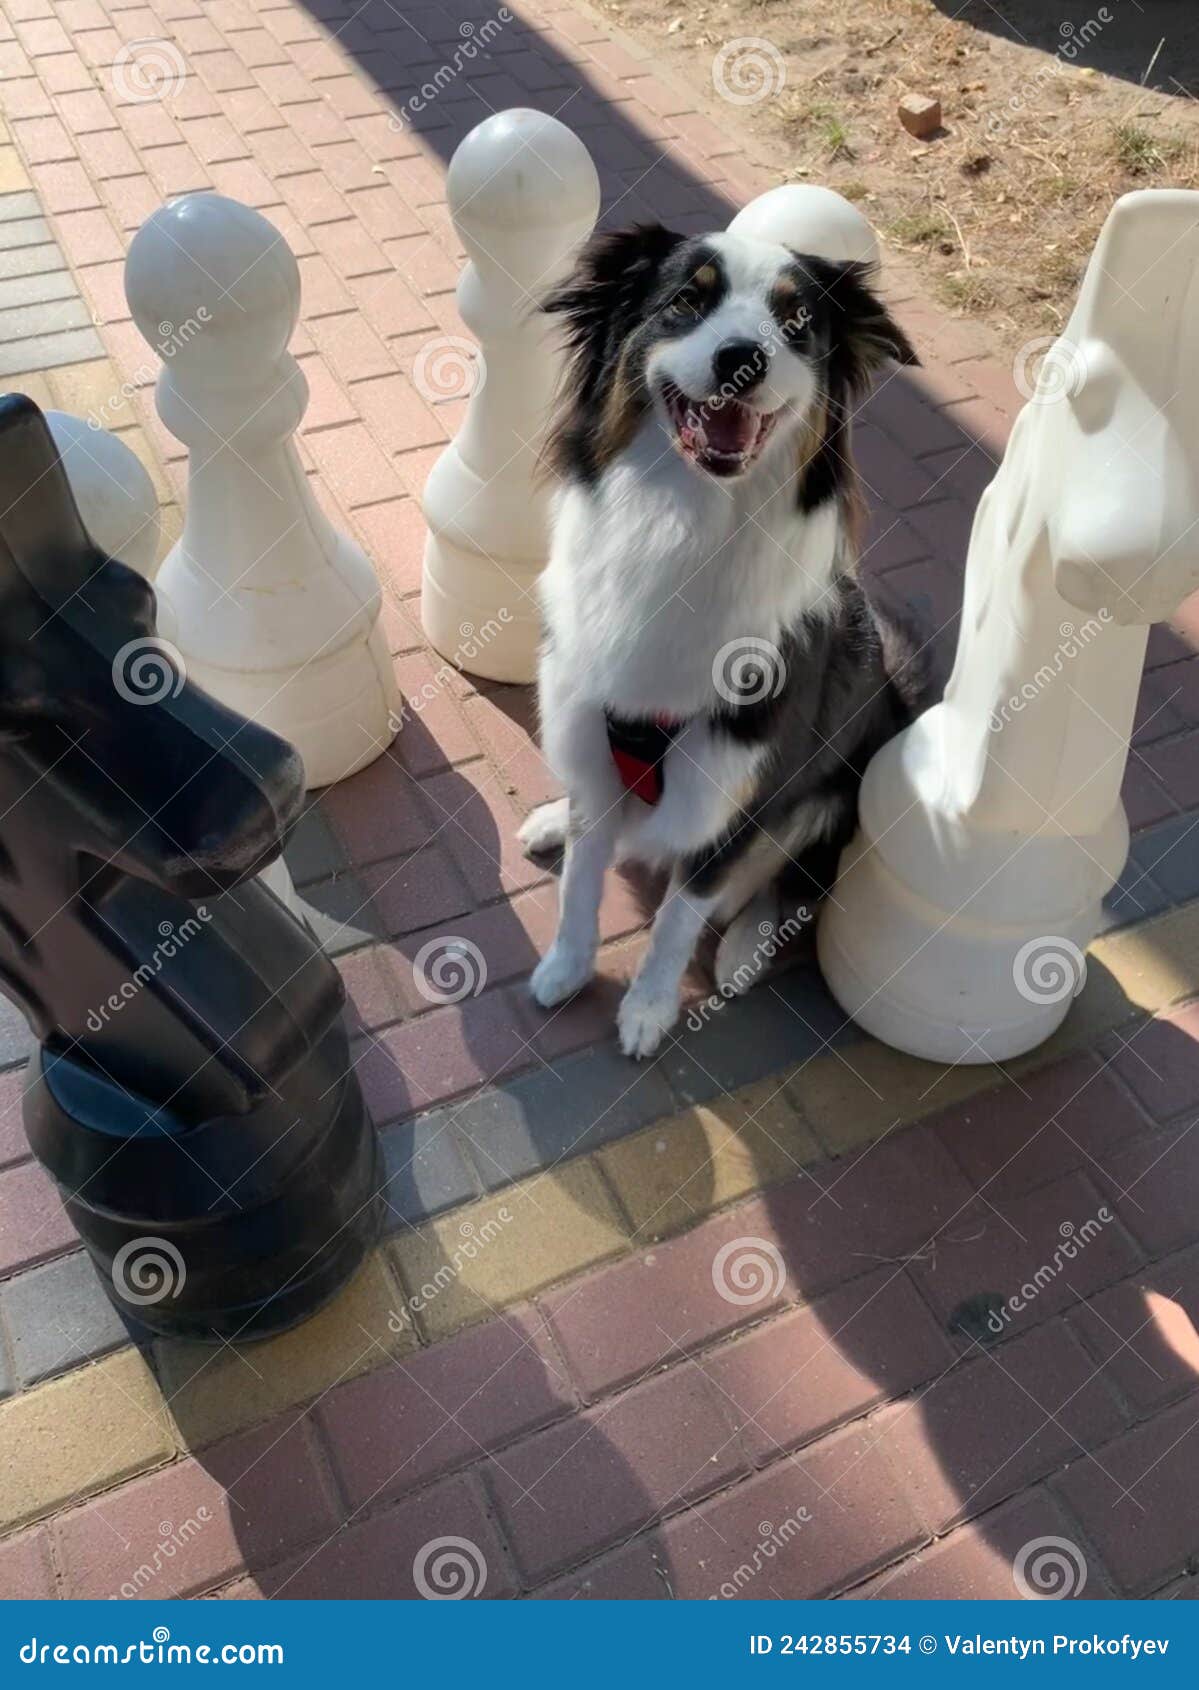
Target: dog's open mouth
point(723, 436)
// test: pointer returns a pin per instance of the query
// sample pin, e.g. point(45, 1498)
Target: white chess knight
point(277, 614)
point(524, 194)
point(992, 828)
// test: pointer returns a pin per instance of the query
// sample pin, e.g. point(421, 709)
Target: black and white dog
point(713, 681)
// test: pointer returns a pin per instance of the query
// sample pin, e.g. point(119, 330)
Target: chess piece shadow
point(192, 1094)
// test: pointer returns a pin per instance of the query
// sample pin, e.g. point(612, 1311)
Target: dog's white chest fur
point(656, 569)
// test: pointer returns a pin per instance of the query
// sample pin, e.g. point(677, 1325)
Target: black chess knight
point(191, 1093)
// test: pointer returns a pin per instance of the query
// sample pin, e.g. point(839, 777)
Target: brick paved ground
point(739, 1321)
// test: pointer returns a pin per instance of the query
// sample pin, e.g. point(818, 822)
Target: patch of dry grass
point(1003, 208)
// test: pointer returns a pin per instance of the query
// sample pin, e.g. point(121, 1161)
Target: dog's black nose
point(738, 366)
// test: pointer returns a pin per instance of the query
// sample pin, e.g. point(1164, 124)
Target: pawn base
point(340, 712)
point(935, 983)
point(484, 621)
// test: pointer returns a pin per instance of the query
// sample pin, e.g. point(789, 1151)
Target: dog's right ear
point(607, 290)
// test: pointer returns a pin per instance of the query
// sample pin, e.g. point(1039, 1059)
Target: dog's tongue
point(728, 426)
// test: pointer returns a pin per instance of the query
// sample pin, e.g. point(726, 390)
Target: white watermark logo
point(772, 939)
point(1074, 1240)
point(171, 940)
point(472, 642)
point(171, 339)
point(1073, 40)
point(450, 367)
point(152, 69)
point(771, 1539)
point(748, 70)
point(448, 969)
point(1073, 641)
point(748, 671)
point(475, 37)
point(747, 1271)
point(148, 1270)
point(171, 1539)
point(473, 1240)
point(148, 671)
point(1048, 369)
point(1049, 1569)
point(1049, 970)
point(449, 1569)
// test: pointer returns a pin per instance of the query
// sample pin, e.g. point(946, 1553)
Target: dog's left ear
point(612, 278)
point(864, 335)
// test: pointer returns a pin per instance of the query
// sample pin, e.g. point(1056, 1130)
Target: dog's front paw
point(544, 830)
point(561, 973)
point(643, 1018)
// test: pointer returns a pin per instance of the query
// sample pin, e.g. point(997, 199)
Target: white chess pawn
point(992, 828)
point(278, 613)
point(112, 488)
point(523, 194)
point(119, 509)
point(811, 219)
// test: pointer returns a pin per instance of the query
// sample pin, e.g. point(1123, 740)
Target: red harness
point(639, 748)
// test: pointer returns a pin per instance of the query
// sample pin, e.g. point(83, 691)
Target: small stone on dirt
point(920, 116)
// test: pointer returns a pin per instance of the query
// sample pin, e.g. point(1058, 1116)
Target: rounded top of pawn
point(211, 284)
point(808, 218)
point(112, 488)
point(521, 169)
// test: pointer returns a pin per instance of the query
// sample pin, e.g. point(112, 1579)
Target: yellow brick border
point(94, 1428)
point(78, 1435)
point(13, 176)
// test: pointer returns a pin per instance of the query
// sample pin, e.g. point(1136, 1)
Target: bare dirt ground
point(1050, 110)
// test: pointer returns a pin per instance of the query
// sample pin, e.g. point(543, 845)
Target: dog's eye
point(796, 327)
point(685, 304)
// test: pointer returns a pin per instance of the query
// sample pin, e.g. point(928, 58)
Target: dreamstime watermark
point(448, 969)
point(474, 38)
point(171, 339)
point(149, 670)
point(473, 1240)
point(1075, 38)
point(747, 1271)
point(1073, 641)
point(148, 1270)
point(449, 1569)
point(472, 643)
point(151, 69)
point(774, 333)
point(748, 671)
point(770, 1540)
point(450, 367)
point(171, 1539)
point(1049, 1569)
point(1048, 369)
point(156, 1650)
point(1074, 1241)
point(171, 940)
point(1049, 969)
point(747, 70)
point(743, 976)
